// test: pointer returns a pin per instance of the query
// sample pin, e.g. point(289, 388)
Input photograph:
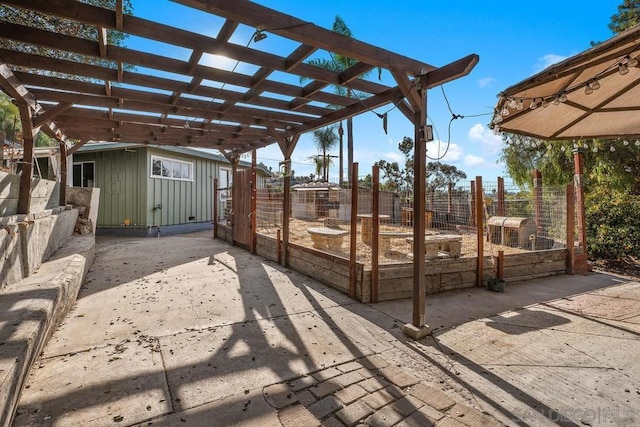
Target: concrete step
point(30, 311)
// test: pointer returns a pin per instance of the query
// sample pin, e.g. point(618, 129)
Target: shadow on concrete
point(526, 321)
point(247, 349)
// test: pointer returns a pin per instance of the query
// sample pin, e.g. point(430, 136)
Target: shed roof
point(189, 151)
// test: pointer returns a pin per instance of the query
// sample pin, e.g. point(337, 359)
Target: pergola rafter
point(190, 102)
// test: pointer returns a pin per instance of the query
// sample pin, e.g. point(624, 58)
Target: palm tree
point(324, 139)
point(338, 64)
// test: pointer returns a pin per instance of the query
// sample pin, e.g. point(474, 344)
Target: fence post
point(63, 173)
point(353, 231)
point(571, 225)
point(215, 208)
point(537, 204)
point(472, 217)
point(501, 206)
point(254, 203)
point(286, 211)
point(375, 232)
point(480, 230)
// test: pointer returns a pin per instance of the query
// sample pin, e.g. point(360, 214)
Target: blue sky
point(513, 39)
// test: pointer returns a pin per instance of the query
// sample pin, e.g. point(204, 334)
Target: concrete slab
point(186, 287)
point(242, 411)
point(103, 386)
point(203, 366)
point(232, 329)
point(602, 306)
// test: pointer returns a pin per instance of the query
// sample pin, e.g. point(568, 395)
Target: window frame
point(171, 168)
point(81, 164)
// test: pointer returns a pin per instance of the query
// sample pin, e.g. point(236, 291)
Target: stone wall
point(45, 194)
point(26, 241)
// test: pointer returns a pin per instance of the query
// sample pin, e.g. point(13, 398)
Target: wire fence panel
point(519, 221)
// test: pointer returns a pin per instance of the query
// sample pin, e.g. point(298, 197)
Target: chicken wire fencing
point(513, 220)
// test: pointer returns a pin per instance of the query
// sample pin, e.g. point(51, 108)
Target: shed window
point(171, 169)
point(84, 174)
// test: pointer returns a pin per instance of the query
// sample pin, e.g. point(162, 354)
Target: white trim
point(173, 164)
point(81, 163)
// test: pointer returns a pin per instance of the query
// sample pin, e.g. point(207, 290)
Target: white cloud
point(474, 161)
point(452, 154)
point(394, 157)
point(547, 60)
point(491, 144)
point(486, 82)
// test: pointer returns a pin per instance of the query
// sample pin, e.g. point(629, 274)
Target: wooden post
point(24, 198)
point(278, 247)
point(254, 203)
point(215, 208)
point(375, 232)
point(537, 197)
point(341, 157)
point(571, 226)
point(63, 174)
point(480, 231)
point(450, 198)
point(286, 211)
point(501, 205)
point(472, 206)
point(353, 231)
point(417, 328)
point(578, 160)
point(500, 270)
point(234, 196)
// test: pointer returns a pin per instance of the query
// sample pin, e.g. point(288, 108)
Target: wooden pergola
point(190, 103)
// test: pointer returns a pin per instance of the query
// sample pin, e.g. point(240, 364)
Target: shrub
point(613, 225)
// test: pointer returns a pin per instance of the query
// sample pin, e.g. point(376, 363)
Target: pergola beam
point(266, 19)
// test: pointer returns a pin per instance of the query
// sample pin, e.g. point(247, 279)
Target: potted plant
point(494, 283)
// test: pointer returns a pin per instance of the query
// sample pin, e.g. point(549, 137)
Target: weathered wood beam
point(119, 15)
point(358, 106)
point(164, 84)
point(50, 113)
point(163, 33)
point(452, 71)
point(270, 20)
point(408, 87)
point(159, 103)
point(14, 88)
point(102, 41)
point(28, 142)
point(102, 73)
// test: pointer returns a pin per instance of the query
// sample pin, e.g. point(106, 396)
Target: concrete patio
point(187, 330)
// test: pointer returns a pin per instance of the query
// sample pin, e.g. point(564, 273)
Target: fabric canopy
point(595, 94)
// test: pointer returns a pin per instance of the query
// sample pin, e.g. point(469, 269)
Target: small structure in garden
point(315, 200)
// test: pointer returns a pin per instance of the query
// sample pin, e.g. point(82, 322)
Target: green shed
point(151, 190)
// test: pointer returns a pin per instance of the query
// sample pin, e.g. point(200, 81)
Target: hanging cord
point(454, 116)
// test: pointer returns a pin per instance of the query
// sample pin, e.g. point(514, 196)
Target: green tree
point(610, 163)
point(324, 139)
point(391, 175)
point(63, 26)
point(339, 63)
point(406, 147)
point(628, 16)
point(440, 175)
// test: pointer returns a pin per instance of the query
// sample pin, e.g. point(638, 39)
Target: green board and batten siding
point(120, 176)
point(129, 192)
point(181, 200)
